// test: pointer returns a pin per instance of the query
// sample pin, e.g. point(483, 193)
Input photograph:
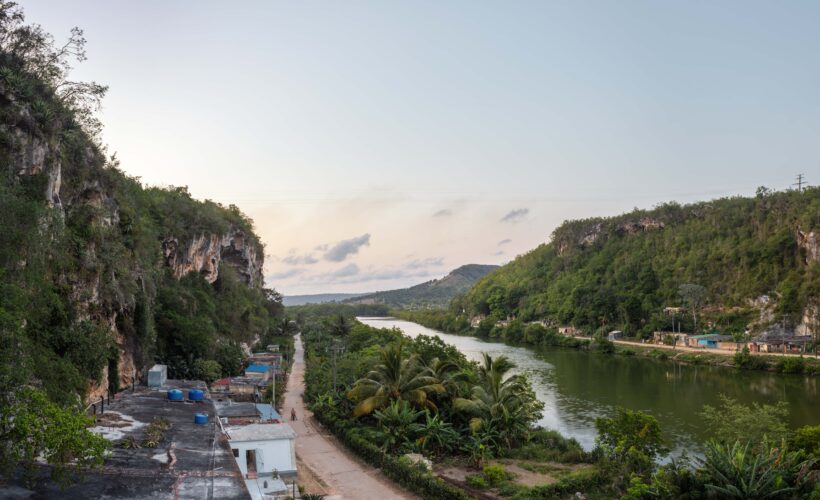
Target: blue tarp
point(258, 368)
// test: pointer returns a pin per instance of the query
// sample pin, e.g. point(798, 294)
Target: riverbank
point(535, 336)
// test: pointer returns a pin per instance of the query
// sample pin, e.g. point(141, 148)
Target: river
point(578, 386)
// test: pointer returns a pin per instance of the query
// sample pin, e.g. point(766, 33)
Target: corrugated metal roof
point(261, 432)
point(267, 411)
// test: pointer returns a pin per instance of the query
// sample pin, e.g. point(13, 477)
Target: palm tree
point(395, 377)
point(501, 403)
point(739, 471)
point(435, 433)
point(398, 424)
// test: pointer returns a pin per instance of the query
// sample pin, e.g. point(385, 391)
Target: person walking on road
point(293, 414)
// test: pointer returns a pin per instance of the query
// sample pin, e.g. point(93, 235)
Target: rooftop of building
point(258, 368)
point(191, 462)
point(233, 409)
point(260, 432)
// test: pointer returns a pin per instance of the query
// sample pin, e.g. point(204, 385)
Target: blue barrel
point(175, 395)
point(200, 418)
point(196, 395)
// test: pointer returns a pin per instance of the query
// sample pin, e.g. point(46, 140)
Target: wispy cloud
point(505, 241)
point(290, 273)
point(344, 272)
point(516, 215)
point(500, 252)
point(443, 213)
point(424, 263)
point(298, 260)
point(341, 250)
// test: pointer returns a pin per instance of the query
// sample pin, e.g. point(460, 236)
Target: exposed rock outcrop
point(810, 243)
point(205, 253)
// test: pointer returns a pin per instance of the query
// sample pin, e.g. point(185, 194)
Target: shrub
point(476, 481)
point(744, 359)
point(806, 438)
point(788, 364)
point(495, 474)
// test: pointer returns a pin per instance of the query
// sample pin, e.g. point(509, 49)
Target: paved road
point(344, 475)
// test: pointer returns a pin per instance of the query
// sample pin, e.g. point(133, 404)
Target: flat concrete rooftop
point(192, 461)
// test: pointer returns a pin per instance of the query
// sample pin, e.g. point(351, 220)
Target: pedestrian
point(293, 413)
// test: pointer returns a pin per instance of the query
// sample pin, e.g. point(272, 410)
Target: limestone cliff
point(204, 254)
point(97, 228)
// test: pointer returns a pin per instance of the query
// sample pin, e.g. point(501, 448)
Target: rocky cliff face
point(74, 184)
point(810, 243)
point(204, 254)
point(587, 235)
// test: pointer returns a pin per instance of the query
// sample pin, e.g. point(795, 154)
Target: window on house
point(235, 452)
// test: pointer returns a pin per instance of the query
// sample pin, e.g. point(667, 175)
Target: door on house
point(250, 459)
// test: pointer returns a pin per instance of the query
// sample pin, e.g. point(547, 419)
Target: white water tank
point(157, 375)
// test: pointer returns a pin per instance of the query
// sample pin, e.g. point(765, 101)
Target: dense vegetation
point(82, 276)
point(621, 272)
point(385, 395)
point(430, 294)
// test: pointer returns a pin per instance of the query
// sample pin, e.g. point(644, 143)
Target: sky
point(381, 144)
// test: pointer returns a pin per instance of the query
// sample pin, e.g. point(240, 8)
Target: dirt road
point(724, 352)
point(342, 475)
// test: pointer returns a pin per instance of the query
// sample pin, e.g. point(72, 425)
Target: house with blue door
point(709, 341)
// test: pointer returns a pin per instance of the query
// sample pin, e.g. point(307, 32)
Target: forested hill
point(621, 272)
point(430, 294)
point(99, 276)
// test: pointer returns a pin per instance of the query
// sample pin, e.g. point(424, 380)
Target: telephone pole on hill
point(799, 183)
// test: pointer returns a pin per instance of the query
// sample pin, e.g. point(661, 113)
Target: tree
point(395, 377)
point(48, 62)
point(732, 421)
point(630, 440)
point(397, 423)
point(207, 370)
point(436, 434)
point(505, 403)
point(693, 296)
point(740, 471)
point(31, 426)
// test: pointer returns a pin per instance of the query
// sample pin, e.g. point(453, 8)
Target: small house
point(258, 371)
point(615, 335)
point(221, 386)
point(265, 453)
point(708, 341)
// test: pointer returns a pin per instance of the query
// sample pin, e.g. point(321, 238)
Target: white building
point(259, 449)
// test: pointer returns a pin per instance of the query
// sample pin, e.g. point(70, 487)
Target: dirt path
point(337, 471)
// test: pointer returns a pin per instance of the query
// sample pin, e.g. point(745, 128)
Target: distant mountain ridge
point(317, 298)
point(430, 294)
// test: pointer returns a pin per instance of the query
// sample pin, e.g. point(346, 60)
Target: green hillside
point(430, 294)
point(621, 272)
point(99, 276)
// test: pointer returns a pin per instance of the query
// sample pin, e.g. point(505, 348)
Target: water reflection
point(578, 386)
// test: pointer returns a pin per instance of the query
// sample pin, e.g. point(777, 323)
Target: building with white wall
point(261, 449)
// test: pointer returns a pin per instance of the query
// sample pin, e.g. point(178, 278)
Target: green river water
point(578, 386)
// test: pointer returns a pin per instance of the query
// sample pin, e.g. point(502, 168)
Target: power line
point(799, 183)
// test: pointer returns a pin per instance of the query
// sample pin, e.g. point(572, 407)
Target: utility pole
point(800, 181)
point(335, 349)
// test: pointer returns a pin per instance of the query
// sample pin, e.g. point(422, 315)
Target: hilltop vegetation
point(430, 294)
point(93, 283)
point(621, 272)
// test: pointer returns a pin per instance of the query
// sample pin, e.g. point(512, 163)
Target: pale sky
point(380, 144)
